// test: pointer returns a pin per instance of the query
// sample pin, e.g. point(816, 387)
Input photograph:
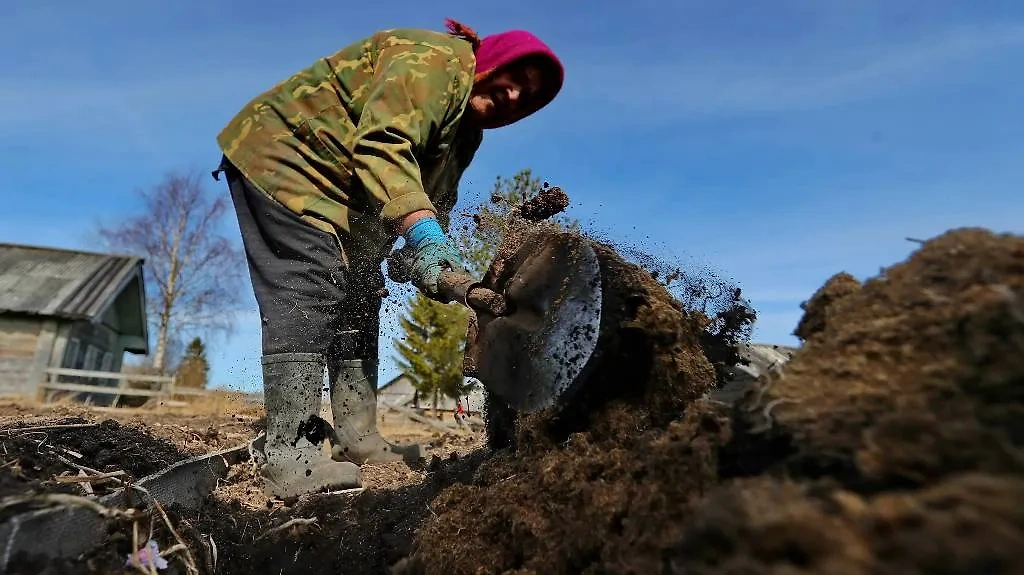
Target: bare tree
point(193, 271)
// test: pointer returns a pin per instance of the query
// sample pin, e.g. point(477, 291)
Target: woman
point(326, 170)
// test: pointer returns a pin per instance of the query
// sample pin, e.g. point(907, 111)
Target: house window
point(70, 360)
point(71, 353)
point(92, 356)
point(105, 363)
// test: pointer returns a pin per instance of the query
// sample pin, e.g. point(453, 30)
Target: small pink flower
point(148, 555)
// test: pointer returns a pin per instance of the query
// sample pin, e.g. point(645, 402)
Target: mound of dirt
point(917, 375)
point(972, 523)
point(891, 443)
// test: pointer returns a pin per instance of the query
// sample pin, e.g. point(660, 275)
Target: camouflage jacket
point(364, 136)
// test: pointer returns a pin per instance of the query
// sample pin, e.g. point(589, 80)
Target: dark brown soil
point(363, 533)
point(815, 316)
point(894, 447)
point(35, 456)
point(916, 376)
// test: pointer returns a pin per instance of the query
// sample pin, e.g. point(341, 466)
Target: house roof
point(400, 391)
point(62, 283)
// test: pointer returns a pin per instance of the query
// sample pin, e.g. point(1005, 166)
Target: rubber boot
point(354, 407)
point(295, 466)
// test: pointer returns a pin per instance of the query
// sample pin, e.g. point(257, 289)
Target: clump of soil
point(652, 354)
point(547, 203)
point(649, 362)
point(637, 438)
point(891, 443)
point(815, 316)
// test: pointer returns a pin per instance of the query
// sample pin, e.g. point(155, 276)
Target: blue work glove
point(427, 252)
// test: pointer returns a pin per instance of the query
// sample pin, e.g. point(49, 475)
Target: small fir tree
point(430, 353)
point(194, 369)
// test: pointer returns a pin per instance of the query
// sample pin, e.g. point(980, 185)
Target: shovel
point(537, 317)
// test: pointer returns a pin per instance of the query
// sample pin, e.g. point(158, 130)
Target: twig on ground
point(84, 478)
point(48, 427)
point(86, 487)
point(88, 470)
point(287, 524)
point(66, 500)
point(74, 454)
point(173, 549)
point(190, 561)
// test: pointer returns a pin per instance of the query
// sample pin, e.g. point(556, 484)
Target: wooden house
point(67, 309)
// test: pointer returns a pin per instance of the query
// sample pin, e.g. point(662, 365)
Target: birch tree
point(194, 273)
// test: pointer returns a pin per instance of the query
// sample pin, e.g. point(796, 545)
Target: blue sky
point(778, 142)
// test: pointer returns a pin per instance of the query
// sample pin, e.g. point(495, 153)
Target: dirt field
point(891, 443)
point(43, 447)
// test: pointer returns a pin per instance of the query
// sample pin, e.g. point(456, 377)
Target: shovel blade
point(535, 357)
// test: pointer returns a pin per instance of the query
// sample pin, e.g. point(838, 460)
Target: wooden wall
point(30, 344)
point(19, 340)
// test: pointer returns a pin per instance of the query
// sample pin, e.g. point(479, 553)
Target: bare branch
point(193, 272)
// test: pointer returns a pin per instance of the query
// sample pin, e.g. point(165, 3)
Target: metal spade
point(538, 319)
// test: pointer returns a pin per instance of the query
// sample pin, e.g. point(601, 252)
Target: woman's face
point(505, 96)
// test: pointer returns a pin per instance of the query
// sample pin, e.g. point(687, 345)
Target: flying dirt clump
point(549, 202)
point(890, 444)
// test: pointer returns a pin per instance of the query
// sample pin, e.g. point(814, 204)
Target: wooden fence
point(162, 386)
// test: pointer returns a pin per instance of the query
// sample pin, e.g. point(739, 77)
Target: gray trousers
point(309, 302)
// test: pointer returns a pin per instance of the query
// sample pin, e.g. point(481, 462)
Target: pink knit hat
point(499, 50)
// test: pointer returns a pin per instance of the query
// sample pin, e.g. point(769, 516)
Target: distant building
point(763, 358)
point(400, 391)
point(69, 309)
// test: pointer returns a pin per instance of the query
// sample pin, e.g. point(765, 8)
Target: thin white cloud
point(687, 88)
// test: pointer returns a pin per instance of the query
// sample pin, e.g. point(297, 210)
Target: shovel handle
point(468, 291)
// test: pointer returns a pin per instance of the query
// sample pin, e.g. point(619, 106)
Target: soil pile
point(891, 443)
point(916, 376)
